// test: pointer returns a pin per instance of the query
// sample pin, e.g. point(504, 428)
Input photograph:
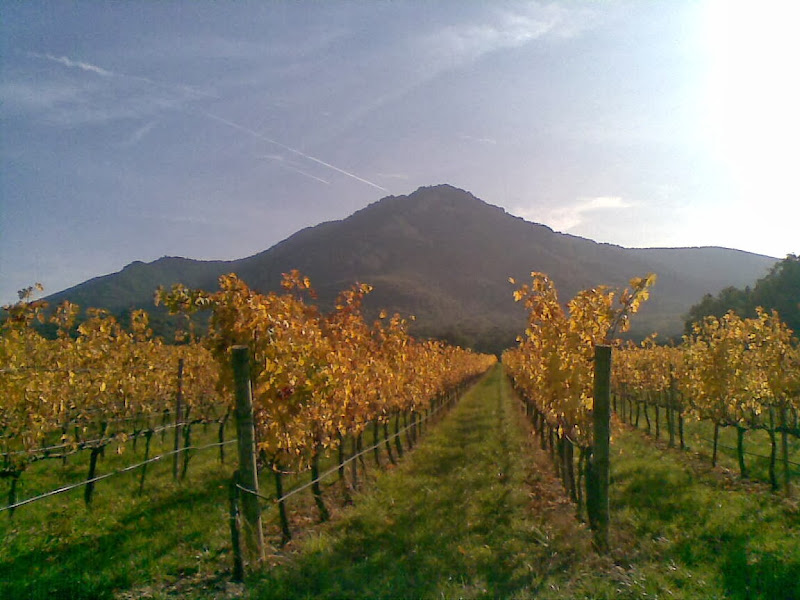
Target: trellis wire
point(338, 466)
point(113, 473)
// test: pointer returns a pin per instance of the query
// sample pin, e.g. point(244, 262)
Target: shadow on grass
point(448, 523)
point(110, 554)
point(744, 539)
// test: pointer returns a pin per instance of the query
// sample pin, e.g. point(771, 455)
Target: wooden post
point(233, 499)
point(658, 420)
point(286, 533)
point(353, 461)
point(316, 489)
point(376, 441)
point(397, 442)
point(600, 462)
point(221, 437)
point(12, 492)
point(248, 473)
point(388, 442)
point(178, 420)
point(148, 437)
point(740, 431)
point(787, 486)
point(87, 491)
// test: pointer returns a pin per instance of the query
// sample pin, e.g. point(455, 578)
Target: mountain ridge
point(444, 255)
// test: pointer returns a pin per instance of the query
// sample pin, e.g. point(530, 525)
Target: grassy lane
point(459, 518)
point(684, 530)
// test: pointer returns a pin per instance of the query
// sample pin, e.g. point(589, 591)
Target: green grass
point(457, 519)
point(698, 437)
point(59, 548)
point(172, 540)
point(693, 532)
point(473, 512)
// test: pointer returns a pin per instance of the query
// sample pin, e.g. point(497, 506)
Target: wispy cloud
point(431, 51)
point(564, 219)
point(104, 96)
point(74, 64)
point(177, 92)
point(137, 135)
point(90, 68)
point(569, 217)
point(24, 96)
point(504, 29)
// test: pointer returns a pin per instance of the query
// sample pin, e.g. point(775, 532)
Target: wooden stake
point(600, 471)
point(248, 472)
point(233, 516)
point(178, 420)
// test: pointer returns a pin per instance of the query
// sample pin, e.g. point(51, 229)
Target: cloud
point(88, 67)
point(500, 29)
point(137, 135)
point(400, 65)
point(108, 104)
point(24, 96)
point(564, 219)
point(569, 217)
point(74, 64)
point(110, 96)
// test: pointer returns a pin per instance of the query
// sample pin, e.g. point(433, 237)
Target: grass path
point(464, 516)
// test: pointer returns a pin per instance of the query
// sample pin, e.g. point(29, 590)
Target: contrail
point(279, 161)
point(67, 62)
point(290, 149)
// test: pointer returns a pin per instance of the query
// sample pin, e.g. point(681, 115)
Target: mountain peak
point(441, 189)
point(445, 255)
point(432, 202)
point(444, 193)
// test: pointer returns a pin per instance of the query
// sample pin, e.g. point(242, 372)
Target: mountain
point(445, 256)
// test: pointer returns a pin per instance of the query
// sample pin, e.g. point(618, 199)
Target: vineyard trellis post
point(178, 420)
point(248, 472)
point(598, 467)
point(233, 499)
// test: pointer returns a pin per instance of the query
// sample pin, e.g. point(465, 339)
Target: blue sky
point(134, 130)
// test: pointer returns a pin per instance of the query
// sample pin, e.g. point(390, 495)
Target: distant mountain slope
point(135, 284)
point(445, 256)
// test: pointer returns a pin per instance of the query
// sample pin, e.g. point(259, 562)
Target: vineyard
point(309, 397)
point(556, 371)
point(318, 382)
point(104, 387)
point(730, 372)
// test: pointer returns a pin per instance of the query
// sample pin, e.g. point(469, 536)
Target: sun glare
point(753, 93)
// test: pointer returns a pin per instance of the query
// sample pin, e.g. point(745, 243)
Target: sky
point(213, 130)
